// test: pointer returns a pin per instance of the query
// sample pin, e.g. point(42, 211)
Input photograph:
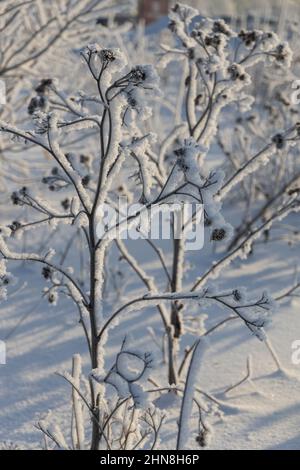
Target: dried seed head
point(44, 85)
point(85, 180)
point(66, 204)
point(278, 140)
point(37, 103)
point(14, 226)
point(221, 27)
point(46, 272)
point(248, 37)
point(138, 74)
point(107, 55)
point(15, 198)
point(237, 295)
point(218, 234)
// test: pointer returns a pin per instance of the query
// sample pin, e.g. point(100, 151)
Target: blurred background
point(274, 10)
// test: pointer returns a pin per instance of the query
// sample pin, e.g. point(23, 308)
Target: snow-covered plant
point(86, 193)
point(124, 424)
point(263, 194)
point(35, 38)
point(126, 158)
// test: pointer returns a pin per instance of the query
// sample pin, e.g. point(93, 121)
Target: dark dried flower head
point(138, 74)
point(51, 298)
point(248, 37)
point(85, 159)
point(14, 226)
point(44, 85)
point(107, 55)
point(278, 140)
point(237, 295)
point(283, 54)
point(85, 180)
point(37, 103)
point(213, 41)
point(24, 191)
point(5, 280)
point(176, 8)
point(198, 99)
point(15, 198)
point(179, 152)
point(202, 438)
point(221, 27)
point(218, 234)
point(66, 204)
point(236, 72)
point(145, 76)
point(196, 33)
point(191, 53)
point(280, 52)
point(46, 272)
